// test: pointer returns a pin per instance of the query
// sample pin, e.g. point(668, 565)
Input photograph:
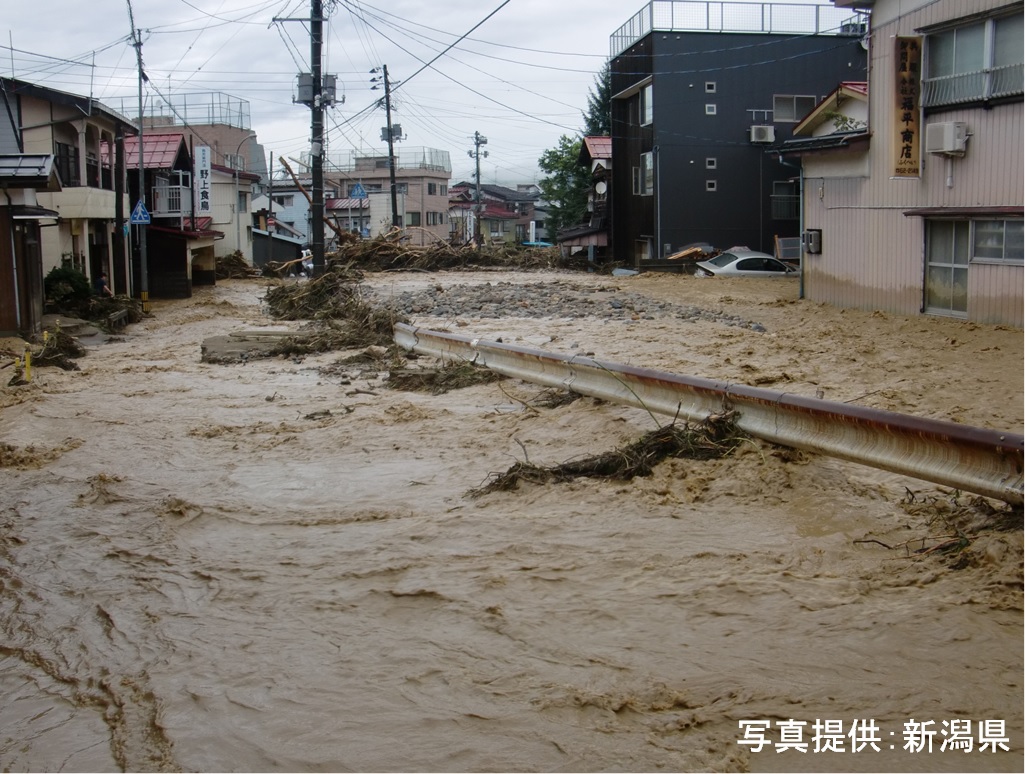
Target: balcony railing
point(171, 201)
point(786, 207)
point(692, 16)
point(977, 86)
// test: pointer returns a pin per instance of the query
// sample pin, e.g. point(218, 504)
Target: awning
point(33, 212)
point(964, 213)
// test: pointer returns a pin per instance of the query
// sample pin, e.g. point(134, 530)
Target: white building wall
point(873, 255)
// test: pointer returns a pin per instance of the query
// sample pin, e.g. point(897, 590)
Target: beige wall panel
point(996, 293)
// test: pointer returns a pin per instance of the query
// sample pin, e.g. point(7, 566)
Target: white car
point(744, 263)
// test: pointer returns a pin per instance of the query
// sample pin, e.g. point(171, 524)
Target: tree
point(566, 184)
point(598, 118)
point(568, 181)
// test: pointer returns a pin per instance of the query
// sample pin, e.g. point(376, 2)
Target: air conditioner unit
point(948, 138)
point(763, 134)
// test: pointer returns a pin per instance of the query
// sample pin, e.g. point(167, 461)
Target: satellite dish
point(600, 187)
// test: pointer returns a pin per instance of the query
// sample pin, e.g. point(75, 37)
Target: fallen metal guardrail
point(971, 459)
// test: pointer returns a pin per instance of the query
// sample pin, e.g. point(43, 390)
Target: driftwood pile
point(714, 438)
point(334, 302)
point(234, 266)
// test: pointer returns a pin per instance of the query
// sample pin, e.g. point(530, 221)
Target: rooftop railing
point(692, 16)
point(430, 159)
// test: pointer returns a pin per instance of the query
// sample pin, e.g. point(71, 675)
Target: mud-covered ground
point(275, 565)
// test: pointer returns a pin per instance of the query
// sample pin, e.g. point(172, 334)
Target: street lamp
point(238, 219)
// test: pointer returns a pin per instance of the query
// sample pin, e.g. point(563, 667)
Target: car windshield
point(723, 259)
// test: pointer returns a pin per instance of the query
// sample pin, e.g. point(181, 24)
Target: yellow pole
point(28, 364)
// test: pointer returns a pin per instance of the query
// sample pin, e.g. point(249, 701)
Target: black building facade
point(695, 116)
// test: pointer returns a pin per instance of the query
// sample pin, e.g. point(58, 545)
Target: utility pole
point(478, 140)
point(317, 91)
point(388, 133)
point(317, 138)
point(143, 267)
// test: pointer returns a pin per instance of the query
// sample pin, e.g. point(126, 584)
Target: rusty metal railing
point(971, 459)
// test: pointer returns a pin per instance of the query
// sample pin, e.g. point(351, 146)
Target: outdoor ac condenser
point(763, 134)
point(948, 138)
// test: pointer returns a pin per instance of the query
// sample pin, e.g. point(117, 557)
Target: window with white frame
point(974, 62)
point(711, 162)
point(710, 109)
point(647, 106)
point(711, 185)
point(997, 241)
point(791, 108)
point(710, 87)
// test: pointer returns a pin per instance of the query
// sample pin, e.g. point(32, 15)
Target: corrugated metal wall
point(873, 254)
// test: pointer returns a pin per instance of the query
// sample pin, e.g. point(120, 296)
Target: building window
point(412, 218)
point(284, 200)
point(444, 190)
point(432, 189)
point(711, 185)
point(974, 62)
point(402, 188)
point(947, 251)
point(785, 201)
point(644, 176)
point(66, 159)
point(791, 108)
point(709, 87)
point(710, 109)
point(647, 106)
point(711, 163)
point(997, 241)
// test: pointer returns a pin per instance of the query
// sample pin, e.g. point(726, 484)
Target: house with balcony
point(915, 204)
point(180, 237)
point(91, 201)
point(421, 192)
point(699, 91)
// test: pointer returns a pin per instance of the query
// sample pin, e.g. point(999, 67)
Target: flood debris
point(714, 438)
point(234, 266)
point(953, 527)
point(336, 315)
point(453, 375)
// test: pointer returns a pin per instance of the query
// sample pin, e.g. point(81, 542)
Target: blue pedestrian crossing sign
point(140, 215)
point(358, 192)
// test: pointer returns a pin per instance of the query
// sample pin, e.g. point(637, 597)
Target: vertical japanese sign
point(204, 206)
point(907, 116)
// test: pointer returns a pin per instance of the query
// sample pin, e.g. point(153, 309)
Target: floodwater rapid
point(275, 565)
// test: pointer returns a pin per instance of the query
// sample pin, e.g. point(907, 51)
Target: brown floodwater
point(276, 566)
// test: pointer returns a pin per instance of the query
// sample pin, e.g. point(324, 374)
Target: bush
point(66, 289)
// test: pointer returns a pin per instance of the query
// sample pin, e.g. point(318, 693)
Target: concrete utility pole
point(317, 139)
point(143, 266)
point(478, 140)
point(389, 134)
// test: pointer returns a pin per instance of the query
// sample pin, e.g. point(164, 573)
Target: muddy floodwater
point(274, 565)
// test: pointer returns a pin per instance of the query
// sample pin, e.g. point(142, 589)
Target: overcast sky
point(521, 78)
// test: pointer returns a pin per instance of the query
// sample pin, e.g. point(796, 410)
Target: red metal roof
point(160, 150)
point(861, 87)
point(599, 147)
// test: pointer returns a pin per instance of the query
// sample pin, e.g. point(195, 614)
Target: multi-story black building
point(702, 92)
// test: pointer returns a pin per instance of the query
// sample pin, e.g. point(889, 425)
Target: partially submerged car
point(744, 263)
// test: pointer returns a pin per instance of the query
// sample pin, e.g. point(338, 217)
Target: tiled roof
point(160, 150)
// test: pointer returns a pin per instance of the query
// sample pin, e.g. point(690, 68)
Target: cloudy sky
point(520, 76)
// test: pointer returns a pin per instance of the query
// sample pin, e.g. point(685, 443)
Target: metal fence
point(691, 16)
